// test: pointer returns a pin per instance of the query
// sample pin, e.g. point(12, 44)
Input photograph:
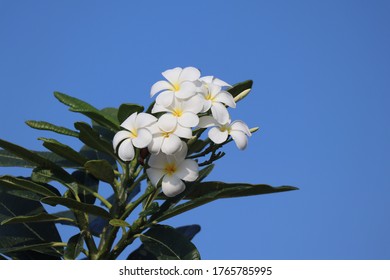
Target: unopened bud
point(242, 95)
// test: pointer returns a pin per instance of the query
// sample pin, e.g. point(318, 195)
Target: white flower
point(216, 98)
point(172, 170)
point(219, 133)
point(184, 111)
point(136, 134)
point(166, 135)
point(179, 84)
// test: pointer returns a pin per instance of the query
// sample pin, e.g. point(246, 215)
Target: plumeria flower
point(172, 169)
point(179, 84)
point(184, 111)
point(219, 133)
point(215, 98)
point(136, 134)
point(166, 135)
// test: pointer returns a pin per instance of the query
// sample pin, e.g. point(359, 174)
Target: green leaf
point(119, 223)
point(101, 169)
point(93, 154)
point(88, 184)
point(77, 105)
point(127, 109)
point(77, 206)
point(41, 217)
point(239, 88)
point(19, 183)
point(197, 146)
point(167, 244)
point(209, 191)
point(63, 151)
point(91, 138)
point(22, 235)
point(74, 247)
point(41, 125)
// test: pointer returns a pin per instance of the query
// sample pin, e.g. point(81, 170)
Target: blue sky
point(321, 99)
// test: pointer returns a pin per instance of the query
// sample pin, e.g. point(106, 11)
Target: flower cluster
point(186, 102)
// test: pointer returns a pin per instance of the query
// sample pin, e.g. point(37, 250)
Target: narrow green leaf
point(41, 217)
point(197, 146)
point(229, 190)
point(63, 151)
point(101, 169)
point(202, 195)
point(91, 138)
point(77, 206)
point(19, 183)
point(153, 208)
point(37, 160)
point(239, 88)
point(8, 159)
point(41, 125)
point(77, 105)
point(74, 247)
point(119, 223)
point(127, 109)
point(42, 247)
point(93, 154)
point(167, 244)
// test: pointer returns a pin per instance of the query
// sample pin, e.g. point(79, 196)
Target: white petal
point(189, 74)
point(144, 120)
point(157, 161)
point(241, 126)
point(188, 119)
point(207, 105)
point(226, 98)
point(207, 79)
point(155, 145)
point(155, 175)
point(193, 104)
point(171, 144)
point(187, 89)
point(160, 86)
point(158, 108)
point(218, 136)
point(207, 121)
point(214, 89)
point(220, 113)
point(188, 170)
point(172, 186)
point(220, 83)
point(143, 139)
point(126, 150)
point(119, 137)
point(240, 138)
point(129, 123)
point(172, 75)
point(180, 155)
point(165, 98)
point(167, 122)
point(183, 132)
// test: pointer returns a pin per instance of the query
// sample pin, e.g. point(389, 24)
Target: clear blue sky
point(321, 72)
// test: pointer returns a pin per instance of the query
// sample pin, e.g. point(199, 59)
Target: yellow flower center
point(225, 128)
point(170, 168)
point(166, 134)
point(210, 97)
point(177, 112)
point(133, 133)
point(176, 86)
